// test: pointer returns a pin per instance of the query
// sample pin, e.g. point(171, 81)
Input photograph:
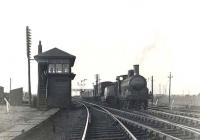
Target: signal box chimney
point(136, 69)
point(40, 48)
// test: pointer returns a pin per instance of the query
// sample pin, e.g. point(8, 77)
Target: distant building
point(16, 96)
point(1, 90)
point(1, 95)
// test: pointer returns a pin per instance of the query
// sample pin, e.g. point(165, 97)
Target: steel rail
point(191, 130)
point(87, 121)
point(161, 134)
point(195, 120)
point(181, 116)
point(168, 137)
point(131, 136)
point(186, 127)
point(178, 112)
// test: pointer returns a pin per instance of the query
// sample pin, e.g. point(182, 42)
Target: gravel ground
point(16, 115)
point(59, 127)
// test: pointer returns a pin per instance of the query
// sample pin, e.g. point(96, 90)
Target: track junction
point(140, 125)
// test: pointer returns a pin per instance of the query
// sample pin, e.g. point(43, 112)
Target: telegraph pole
point(28, 45)
point(96, 91)
point(97, 84)
point(10, 84)
point(170, 77)
point(152, 88)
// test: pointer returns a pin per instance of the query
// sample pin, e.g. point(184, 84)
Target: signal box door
point(58, 92)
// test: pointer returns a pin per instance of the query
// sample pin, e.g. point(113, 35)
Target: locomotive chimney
point(39, 48)
point(130, 73)
point(136, 69)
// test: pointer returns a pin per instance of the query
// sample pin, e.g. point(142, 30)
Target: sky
point(107, 37)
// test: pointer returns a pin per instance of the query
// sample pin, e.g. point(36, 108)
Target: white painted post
point(7, 105)
point(156, 102)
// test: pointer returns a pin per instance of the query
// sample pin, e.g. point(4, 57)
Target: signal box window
point(51, 68)
point(59, 68)
point(65, 68)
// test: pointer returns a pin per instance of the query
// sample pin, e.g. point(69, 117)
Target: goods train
point(129, 91)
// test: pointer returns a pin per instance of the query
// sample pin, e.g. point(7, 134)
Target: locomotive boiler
point(130, 91)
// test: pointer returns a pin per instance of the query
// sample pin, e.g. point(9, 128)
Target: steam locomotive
point(129, 91)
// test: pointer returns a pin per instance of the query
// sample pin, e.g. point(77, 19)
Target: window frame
point(54, 68)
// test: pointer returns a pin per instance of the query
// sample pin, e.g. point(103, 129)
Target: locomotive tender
point(129, 91)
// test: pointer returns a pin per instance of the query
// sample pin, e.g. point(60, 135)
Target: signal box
point(54, 78)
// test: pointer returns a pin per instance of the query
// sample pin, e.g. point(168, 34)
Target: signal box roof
point(55, 53)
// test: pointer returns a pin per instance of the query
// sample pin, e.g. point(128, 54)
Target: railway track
point(100, 124)
point(146, 128)
point(188, 119)
point(191, 120)
point(176, 118)
point(178, 112)
point(104, 127)
point(79, 132)
point(167, 127)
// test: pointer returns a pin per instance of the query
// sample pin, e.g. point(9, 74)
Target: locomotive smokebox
point(136, 69)
point(130, 73)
